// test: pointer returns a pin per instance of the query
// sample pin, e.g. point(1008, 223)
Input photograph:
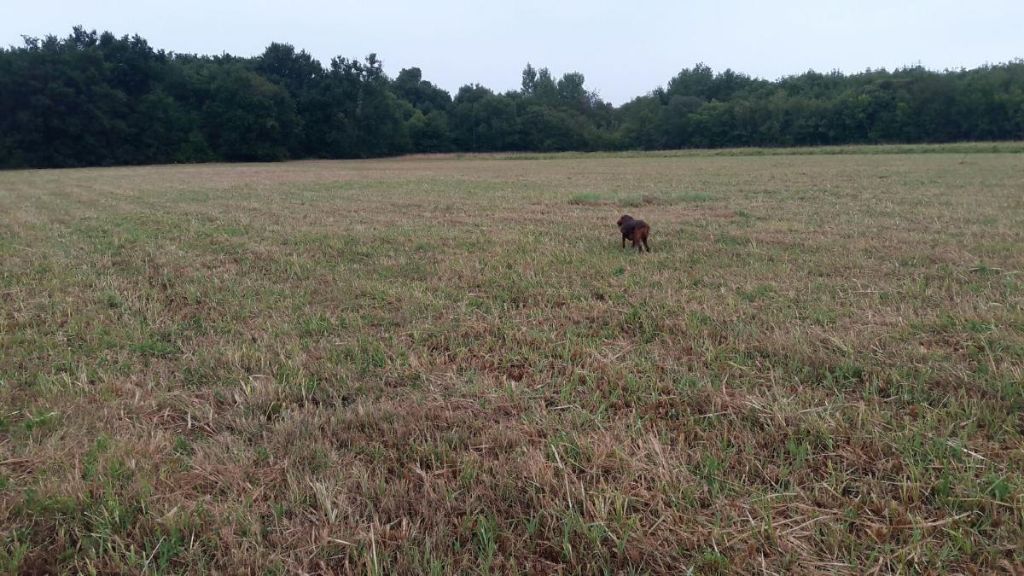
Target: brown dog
point(635, 231)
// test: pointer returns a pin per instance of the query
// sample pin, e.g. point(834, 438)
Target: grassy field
point(449, 365)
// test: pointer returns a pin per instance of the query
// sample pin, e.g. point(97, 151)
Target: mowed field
point(449, 365)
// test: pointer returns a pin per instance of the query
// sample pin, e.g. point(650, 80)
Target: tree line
point(98, 99)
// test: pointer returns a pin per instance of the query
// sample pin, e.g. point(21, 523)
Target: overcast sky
point(624, 48)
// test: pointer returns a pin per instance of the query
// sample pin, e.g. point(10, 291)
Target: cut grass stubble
point(440, 365)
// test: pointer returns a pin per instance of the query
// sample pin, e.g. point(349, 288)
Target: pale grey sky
point(624, 49)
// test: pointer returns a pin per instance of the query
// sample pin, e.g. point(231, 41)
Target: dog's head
point(625, 219)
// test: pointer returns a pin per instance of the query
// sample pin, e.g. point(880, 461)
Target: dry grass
point(441, 365)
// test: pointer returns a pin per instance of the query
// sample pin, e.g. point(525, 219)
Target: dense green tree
point(352, 112)
point(483, 120)
point(249, 118)
point(429, 132)
point(295, 71)
point(410, 86)
point(99, 99)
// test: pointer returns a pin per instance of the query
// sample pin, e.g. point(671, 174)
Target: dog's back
point(631, 227)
